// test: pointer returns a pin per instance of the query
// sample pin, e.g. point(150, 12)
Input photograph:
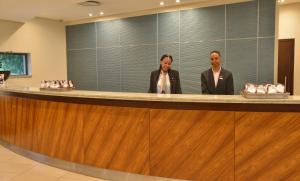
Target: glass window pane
point(16, 63)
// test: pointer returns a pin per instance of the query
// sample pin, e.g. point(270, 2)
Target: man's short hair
point(215, 51)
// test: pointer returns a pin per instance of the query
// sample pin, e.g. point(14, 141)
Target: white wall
point(289, 27)
point(45, 40)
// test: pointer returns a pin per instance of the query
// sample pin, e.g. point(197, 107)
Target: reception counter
point(195, 137)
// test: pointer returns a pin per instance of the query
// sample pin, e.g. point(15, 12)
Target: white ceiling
point(68, 10)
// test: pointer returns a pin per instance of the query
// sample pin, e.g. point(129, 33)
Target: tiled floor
point(14, 167)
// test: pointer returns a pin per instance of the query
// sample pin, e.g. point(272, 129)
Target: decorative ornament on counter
point(2, 82)
point(4, 74)
point(264, 91)
point(62, 85)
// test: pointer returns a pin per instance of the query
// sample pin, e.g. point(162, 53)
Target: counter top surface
point(193, 98)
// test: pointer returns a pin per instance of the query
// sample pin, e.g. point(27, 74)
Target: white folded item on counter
point(57, 84)
point(272, 89)
point(261, 89)
point(250, 88)
point(264, 88)
point(280, 88)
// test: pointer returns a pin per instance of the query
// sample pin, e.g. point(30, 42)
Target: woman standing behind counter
point(164, 80)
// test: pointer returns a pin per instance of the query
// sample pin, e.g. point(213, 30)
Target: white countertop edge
point(192, 98)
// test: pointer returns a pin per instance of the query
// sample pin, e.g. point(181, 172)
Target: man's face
point(215, 60)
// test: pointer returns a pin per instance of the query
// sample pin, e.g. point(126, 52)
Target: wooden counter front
point(158, 138)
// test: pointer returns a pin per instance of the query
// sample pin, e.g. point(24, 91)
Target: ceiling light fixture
point(101, 13)
point(280, 1)
point(177, 1)
point(89, 3)
point(161, 3)
point(90, 14)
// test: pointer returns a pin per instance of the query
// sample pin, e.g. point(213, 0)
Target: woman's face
point(165, 64)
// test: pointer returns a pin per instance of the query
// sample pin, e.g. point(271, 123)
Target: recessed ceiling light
point(280, 1)
point(90, 14)
point(161, 3)
point(177, 1)
point(89, 3)
point(101, 13)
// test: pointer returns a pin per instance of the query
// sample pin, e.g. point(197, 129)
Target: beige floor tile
point(9, 167)
point(5, 151)
point(72, 179)
point(14, 167)
point(47, 171)
point(6, 155)
point(78, 177)
point(23, 160)
point(28, 177)
point(6, 176)
point(5, 158)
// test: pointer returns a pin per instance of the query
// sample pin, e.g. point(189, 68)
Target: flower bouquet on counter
point(264, 91)
point(60, 85)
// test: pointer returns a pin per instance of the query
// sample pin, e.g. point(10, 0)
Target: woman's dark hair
point(164, 56)
point(215, 51)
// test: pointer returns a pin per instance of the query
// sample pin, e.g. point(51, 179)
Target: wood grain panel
point(24, 118)
point(59, 130)
point(184, 144)
point(117, 138)
point(8, 119)
point(267, 146)
point(195, 145)
point(2, 117)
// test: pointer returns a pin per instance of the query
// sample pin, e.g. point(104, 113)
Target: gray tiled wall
point(242, 61)
point(137, 63)
point(109, 69)
point(82, 68)
point(202, 24)
point(194, 60)
point(241, 20)
point(138, 30)
point(168, 27)
point(266, 60)
point(81, 36)
point(108, 33)
point(119, 55)
point(266, 18)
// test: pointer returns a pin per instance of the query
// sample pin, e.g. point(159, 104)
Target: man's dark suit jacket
point(224, 86)
point(174, 81)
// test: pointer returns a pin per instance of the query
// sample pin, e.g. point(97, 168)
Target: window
point(16, 63)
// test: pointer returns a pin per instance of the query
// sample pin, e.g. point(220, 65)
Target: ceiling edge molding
point(157, 10)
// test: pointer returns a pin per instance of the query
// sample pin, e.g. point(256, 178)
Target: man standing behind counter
point(216, 80)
